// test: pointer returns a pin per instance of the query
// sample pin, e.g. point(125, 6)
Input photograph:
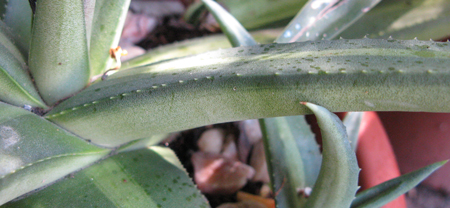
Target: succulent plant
point(70, 138)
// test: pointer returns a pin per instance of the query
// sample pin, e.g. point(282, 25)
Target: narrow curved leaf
point(237, 35)
point(35, 152)
point(59, 60)
point(195, 46)
point(352, 123)
point(260, 81)
point(259, 13)
point(423, 19)
point(107, 25)
point(324, 19)
point(380, 195)
point(293, 158)
point(16, 85)
point(337, 183)
point(19, 17)
point(151, 178)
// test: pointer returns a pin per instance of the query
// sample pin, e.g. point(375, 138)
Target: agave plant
point(92, 141)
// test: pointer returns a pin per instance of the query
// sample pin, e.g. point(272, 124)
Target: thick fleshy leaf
point(236, 33)
point(352, 122)
point(15, 83)
point(35, 152)
point(260, 81)
point(195, 46)
point(151, 178)
point(19, 17)
point(324, 19)
point(337, 183)
point(59, 60)
point(293, 158)
point(107, 25)
point(258, 13)
point(380, 195)
point(423, 19)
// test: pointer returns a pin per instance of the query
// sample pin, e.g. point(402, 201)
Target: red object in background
point(376, 157)
point(420, 139)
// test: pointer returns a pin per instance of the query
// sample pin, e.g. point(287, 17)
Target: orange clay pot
point(376, 157)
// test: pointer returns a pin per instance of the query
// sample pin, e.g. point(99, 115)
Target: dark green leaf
point(382, 194)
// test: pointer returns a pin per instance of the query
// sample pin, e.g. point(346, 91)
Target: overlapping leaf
point(150, 177)
point(34, 152)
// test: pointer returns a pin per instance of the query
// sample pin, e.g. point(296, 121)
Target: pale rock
point(137, 26)
point(211, 140)
point(250, 134)
point(229, 148)
point(217, 174)
point(258, 162)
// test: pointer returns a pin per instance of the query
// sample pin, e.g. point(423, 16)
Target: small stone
point(258, 162)
point(250, 134)
point(229, 148)
point(211, 140)
point(157, 8)
point(132, 50)
point(216, 174)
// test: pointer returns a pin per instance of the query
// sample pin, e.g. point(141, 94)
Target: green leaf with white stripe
point(107, 25)
point(150, 177)
point(423, 19)
point(382, 194)
point(59, 60)
point(337, 183)
point(35, 152)
point(324, 19)
point(17, 87)
point(215, 87)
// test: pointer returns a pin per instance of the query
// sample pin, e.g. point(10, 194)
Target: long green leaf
point(324, 19)
point(337, 183)
point(380, 195)
point(342, 75)
point(107, 25)
point(18, 17)
point(423, 19)
point(236, 33)
point(151, 178)
point(59, 60)
point(195, 46)
point(15, 83)
point(34, 152)
point(293, 158)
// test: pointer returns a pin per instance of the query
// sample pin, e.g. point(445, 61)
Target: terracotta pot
point(420, 139)
point(376, 157)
